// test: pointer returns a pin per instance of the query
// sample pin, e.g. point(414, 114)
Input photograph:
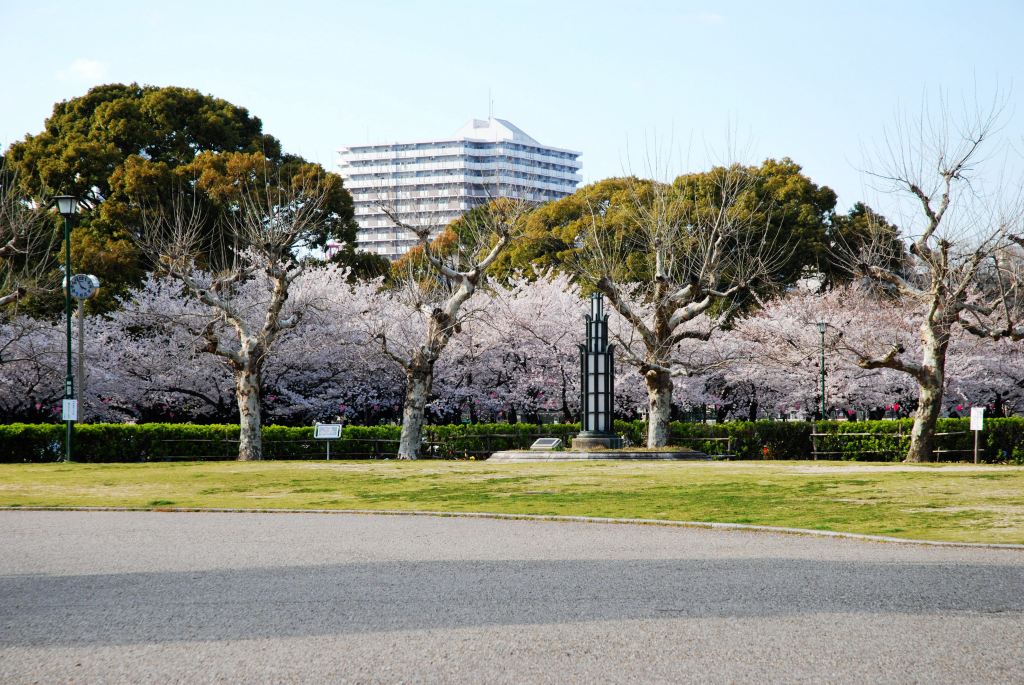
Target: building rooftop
point(479, 130)
point(493, 130)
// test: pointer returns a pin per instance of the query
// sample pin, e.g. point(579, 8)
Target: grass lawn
point(949, 502)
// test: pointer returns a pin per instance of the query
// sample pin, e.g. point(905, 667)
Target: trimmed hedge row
point(1002, 440)
point(119, 442)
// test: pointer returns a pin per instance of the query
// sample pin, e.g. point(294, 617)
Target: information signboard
point(70, 410)
point(327, 431)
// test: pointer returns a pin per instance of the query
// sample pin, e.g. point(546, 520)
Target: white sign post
point(977, 425)
point(328, 432)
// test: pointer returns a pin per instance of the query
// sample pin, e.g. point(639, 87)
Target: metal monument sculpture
point(597, 383)
point(597, 440)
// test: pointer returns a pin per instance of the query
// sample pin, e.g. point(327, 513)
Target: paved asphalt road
point(168, 597)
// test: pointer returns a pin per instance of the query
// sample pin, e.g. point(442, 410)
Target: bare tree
point(996, 306)
point(28, 242)
point(435, 286)
point(960, 227)
point(270, 223)
point(672, 268)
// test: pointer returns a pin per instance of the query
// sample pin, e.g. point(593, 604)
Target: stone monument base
point(516, 456)
point(596, 442)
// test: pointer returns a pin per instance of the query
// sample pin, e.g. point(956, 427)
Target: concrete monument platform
point(516, 456)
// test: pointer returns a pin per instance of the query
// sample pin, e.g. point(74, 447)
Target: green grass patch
point(949, 502)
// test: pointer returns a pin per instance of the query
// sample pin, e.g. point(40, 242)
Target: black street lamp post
point(68, 207)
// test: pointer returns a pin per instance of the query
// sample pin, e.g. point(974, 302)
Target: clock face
point(82, 286)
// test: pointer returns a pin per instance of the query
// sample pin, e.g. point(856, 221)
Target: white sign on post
point(977, 422)
point(327, 431)
point(70, 408)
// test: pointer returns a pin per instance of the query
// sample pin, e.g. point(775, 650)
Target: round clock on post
point(83, 286)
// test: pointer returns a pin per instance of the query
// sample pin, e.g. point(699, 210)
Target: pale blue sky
point(815, 81)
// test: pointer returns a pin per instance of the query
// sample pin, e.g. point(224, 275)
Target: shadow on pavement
point(299, 601)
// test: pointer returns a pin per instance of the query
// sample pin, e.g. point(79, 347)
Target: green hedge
point(1002, 440)
point(22, 442)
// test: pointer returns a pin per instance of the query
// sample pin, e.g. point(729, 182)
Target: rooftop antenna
point(490, 105)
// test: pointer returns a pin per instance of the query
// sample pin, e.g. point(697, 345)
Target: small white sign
point(327, 431)
point(70, 410)
point(977, 418)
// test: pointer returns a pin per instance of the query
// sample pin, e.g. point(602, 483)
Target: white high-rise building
point(432, 182)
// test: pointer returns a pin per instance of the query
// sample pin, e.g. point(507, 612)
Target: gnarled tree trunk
point(419, 383)
point(248, 371)
point(922, 435)
point(247, 392)
point(659, 406)
point(930, 384)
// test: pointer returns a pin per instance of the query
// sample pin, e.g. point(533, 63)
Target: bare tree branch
point(28, 242)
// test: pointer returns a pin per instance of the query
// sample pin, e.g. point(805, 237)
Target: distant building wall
point(433, 182)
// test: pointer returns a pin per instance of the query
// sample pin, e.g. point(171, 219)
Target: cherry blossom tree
point(31, 368)
point(777, 350)
point(515, 356)
point(146, 360)
point(150, 361)
point(985, 373)
point(327, 367)
point(522, 357)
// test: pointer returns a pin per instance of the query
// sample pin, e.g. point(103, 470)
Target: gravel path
point(98, 597)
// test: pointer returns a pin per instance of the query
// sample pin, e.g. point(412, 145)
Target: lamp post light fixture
point(67, 206)
point(821, 329)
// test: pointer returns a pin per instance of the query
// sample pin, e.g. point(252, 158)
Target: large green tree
point(796, 212)
point(793, 211)
point(122, 147)
point(554, 231)
point(863, 232)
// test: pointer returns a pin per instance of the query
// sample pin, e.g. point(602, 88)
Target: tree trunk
point(420, 380)
point(929, 390)
point(752, 410)
point(247, 392)
point(659, 407)
point(922, 435)
point(566, 414)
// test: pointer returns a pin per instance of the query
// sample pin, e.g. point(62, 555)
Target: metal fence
point(899, 441)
